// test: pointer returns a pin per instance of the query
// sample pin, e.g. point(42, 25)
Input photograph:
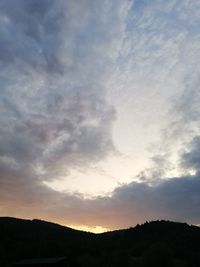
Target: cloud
point(191, 157)
point(53, 104)
point(56, 58)
point(54, 112)
point(173, 199)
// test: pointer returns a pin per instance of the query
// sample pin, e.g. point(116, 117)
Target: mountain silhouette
point(157, 243)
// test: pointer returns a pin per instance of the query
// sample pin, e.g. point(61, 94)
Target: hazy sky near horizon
point(100, 111)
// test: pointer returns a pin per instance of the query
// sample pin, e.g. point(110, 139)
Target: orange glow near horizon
point(93, 229)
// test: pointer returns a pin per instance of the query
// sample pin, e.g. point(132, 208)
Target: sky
point(99, 111)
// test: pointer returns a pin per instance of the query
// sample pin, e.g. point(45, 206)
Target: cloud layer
point(56, 62)
point(53, 105)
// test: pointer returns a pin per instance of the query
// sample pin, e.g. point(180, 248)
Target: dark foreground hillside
point(159, 243)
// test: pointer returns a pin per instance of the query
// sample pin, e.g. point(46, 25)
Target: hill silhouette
point(158, 243)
